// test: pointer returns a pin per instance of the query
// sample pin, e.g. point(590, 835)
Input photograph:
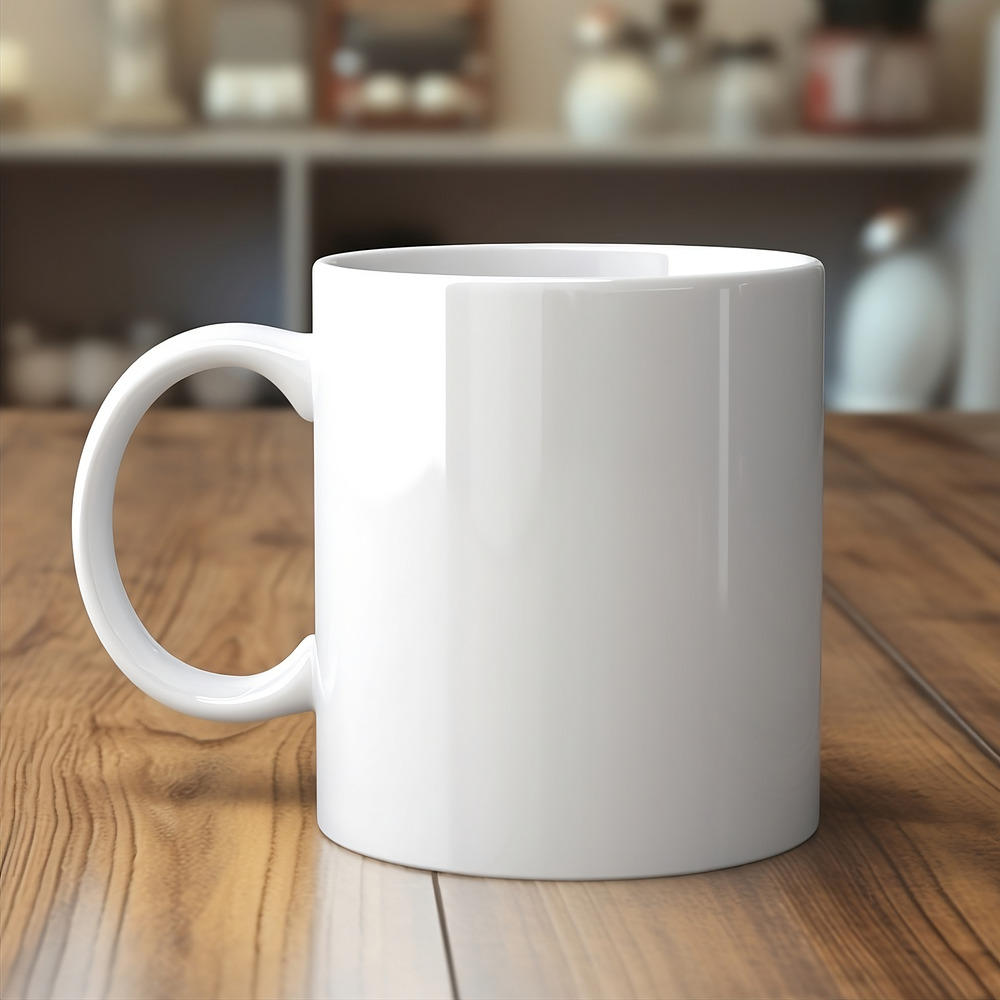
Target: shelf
point(298, 158)
point(319, 146)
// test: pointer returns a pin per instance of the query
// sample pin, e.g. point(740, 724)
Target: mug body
point(568, 556)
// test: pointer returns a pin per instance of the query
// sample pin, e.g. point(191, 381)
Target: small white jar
point(613, 92)
point(749, 98)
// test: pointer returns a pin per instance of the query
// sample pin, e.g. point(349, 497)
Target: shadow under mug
point(568, 553)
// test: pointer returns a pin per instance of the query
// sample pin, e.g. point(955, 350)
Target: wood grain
point(895, 896)
point(932, 591)
point(951, 466)
point(981, 429)
point(146, 853)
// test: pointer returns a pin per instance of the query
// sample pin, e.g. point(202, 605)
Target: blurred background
point(170, 163)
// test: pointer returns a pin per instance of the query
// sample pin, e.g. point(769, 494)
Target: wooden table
point(146, 854)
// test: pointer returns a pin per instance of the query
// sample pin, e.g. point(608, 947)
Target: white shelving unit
point(300, 156)
point(326, 146)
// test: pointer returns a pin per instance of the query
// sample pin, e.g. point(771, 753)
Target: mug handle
point(284, 358)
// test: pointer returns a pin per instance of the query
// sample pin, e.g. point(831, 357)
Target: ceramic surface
point(568, 554)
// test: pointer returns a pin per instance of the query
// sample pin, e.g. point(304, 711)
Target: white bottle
point(144, 333)
point(899, 332)
point(35, 373)
point(613, 93)
point(139, 94)
point(677, 55)
point(96, 364)
point(749, 91)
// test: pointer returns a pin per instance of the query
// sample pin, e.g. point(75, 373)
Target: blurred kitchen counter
point(149, 854)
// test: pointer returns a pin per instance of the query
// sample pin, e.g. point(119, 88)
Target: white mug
point(568, 553)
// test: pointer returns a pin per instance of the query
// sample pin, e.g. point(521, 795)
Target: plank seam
point(840, 601)
point(446, 940)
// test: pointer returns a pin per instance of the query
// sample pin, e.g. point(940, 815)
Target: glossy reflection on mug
point(568, 553)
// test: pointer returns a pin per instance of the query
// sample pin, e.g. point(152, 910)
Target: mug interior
point(579, 261)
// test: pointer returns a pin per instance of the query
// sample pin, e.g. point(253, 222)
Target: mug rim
point(652, 262)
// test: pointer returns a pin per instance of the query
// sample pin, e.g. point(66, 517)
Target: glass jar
point(749, 92)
